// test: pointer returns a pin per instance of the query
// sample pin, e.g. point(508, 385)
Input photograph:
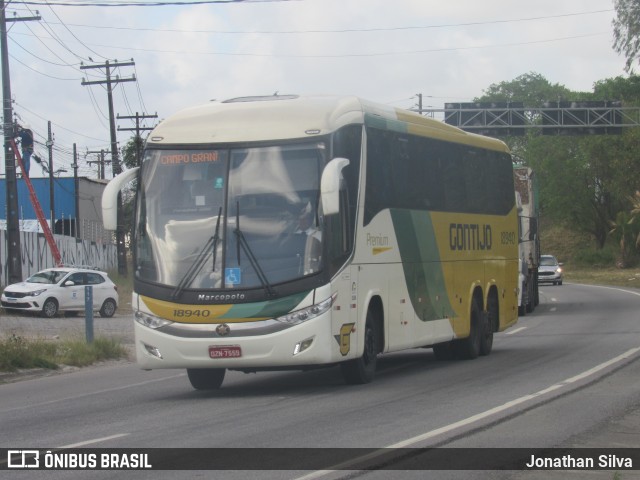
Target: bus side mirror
point(110, 198)
point(330, 185)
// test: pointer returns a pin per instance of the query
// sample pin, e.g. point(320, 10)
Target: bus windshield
point(229, 218)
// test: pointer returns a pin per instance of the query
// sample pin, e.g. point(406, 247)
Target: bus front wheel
point(206, 378)
point(362, 370)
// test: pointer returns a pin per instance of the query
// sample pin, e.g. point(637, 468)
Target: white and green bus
point(296, 232)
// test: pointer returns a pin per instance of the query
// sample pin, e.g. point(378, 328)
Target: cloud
point(376, 49)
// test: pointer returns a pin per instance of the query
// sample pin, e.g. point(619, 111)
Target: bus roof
point(279, 117)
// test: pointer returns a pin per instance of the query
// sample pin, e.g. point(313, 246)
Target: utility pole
point(137, 129)
point(52, 203)
point(76, 186)
point(101, 161)
point(419, 103)
point(115, 163)
point(14, 259)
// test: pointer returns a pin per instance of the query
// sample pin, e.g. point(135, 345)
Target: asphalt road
point(557, 378)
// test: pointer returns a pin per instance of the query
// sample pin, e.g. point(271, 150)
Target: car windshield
point(548, 261)
point(238, 218)
point(50, 277)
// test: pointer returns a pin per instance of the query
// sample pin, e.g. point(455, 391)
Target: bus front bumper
point(308, 343)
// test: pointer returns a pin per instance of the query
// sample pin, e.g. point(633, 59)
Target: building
point(78, 212)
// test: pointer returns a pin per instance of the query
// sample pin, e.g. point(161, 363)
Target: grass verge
point(627, 277)
point(20, 353)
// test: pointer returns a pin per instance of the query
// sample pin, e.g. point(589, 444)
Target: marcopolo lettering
point(466, 236)
point(221, 297)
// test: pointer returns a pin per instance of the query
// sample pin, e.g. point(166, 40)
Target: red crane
point(57, 258)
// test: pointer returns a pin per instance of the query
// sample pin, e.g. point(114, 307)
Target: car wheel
point(108, 308)
point(50, 308)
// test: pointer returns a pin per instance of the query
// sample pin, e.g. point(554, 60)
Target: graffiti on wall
point(36, 255)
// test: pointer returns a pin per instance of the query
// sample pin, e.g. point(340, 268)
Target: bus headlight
point(151, 321)
point(304, 314)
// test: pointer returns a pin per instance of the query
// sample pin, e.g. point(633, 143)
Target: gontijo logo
point(469, 236)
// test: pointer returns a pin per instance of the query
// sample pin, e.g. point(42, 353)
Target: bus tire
point(444, 351)
point(362, 370)
point(469, 348)
point(206, 378)
point(492, 319)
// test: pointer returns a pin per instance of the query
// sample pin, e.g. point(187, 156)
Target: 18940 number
point(508, 238)
point(186, 313)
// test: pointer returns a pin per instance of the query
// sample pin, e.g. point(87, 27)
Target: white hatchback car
point(62, 289)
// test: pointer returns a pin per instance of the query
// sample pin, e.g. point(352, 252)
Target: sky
point(185, 54)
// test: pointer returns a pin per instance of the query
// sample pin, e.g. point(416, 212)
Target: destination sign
point(188, 157)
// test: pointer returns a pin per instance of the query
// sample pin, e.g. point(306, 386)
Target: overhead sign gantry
point(554, 118)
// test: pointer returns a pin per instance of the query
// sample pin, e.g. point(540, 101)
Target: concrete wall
point(36, 254)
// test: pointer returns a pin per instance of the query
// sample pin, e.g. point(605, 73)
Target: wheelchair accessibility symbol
point(232, 276)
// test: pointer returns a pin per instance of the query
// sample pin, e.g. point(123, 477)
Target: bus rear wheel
point(206, 378)
point(470, 347)
point(362, 370)
point(490, 324)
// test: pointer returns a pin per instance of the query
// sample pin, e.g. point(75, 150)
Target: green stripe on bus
point(269, 309)
point(421, 263)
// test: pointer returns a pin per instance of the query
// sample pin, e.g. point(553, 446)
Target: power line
point(355, 55)
point(346, 30)
point(74, 35)
point(116, 3)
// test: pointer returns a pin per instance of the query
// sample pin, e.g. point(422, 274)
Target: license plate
point(226, 351)
point(9, 299)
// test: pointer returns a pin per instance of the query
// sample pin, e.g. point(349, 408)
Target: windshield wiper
point(242, 243)
point(216, 238)
point(211, 247)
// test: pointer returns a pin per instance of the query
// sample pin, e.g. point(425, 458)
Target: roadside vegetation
point(17, 352)
point(583, 262)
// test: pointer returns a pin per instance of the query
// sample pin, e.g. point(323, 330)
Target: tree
point(130, 157)
point(132, 151)
point(530, 88)
point(623, 233)
point(635, 216)
point(533, 90)
point(584, 180)
point(626, 31)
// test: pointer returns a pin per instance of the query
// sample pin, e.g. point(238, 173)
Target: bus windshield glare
point(238, 218)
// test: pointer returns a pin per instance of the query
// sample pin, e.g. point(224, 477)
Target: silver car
point(62, 290)
point(549, 271)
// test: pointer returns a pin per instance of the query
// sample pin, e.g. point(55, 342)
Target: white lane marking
point(475, 418)
point(517, 401)
point(613, 288)
point(511, 332)
point(95, 440)
point(553, 309)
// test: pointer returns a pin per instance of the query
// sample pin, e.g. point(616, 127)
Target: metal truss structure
point(554, 118)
